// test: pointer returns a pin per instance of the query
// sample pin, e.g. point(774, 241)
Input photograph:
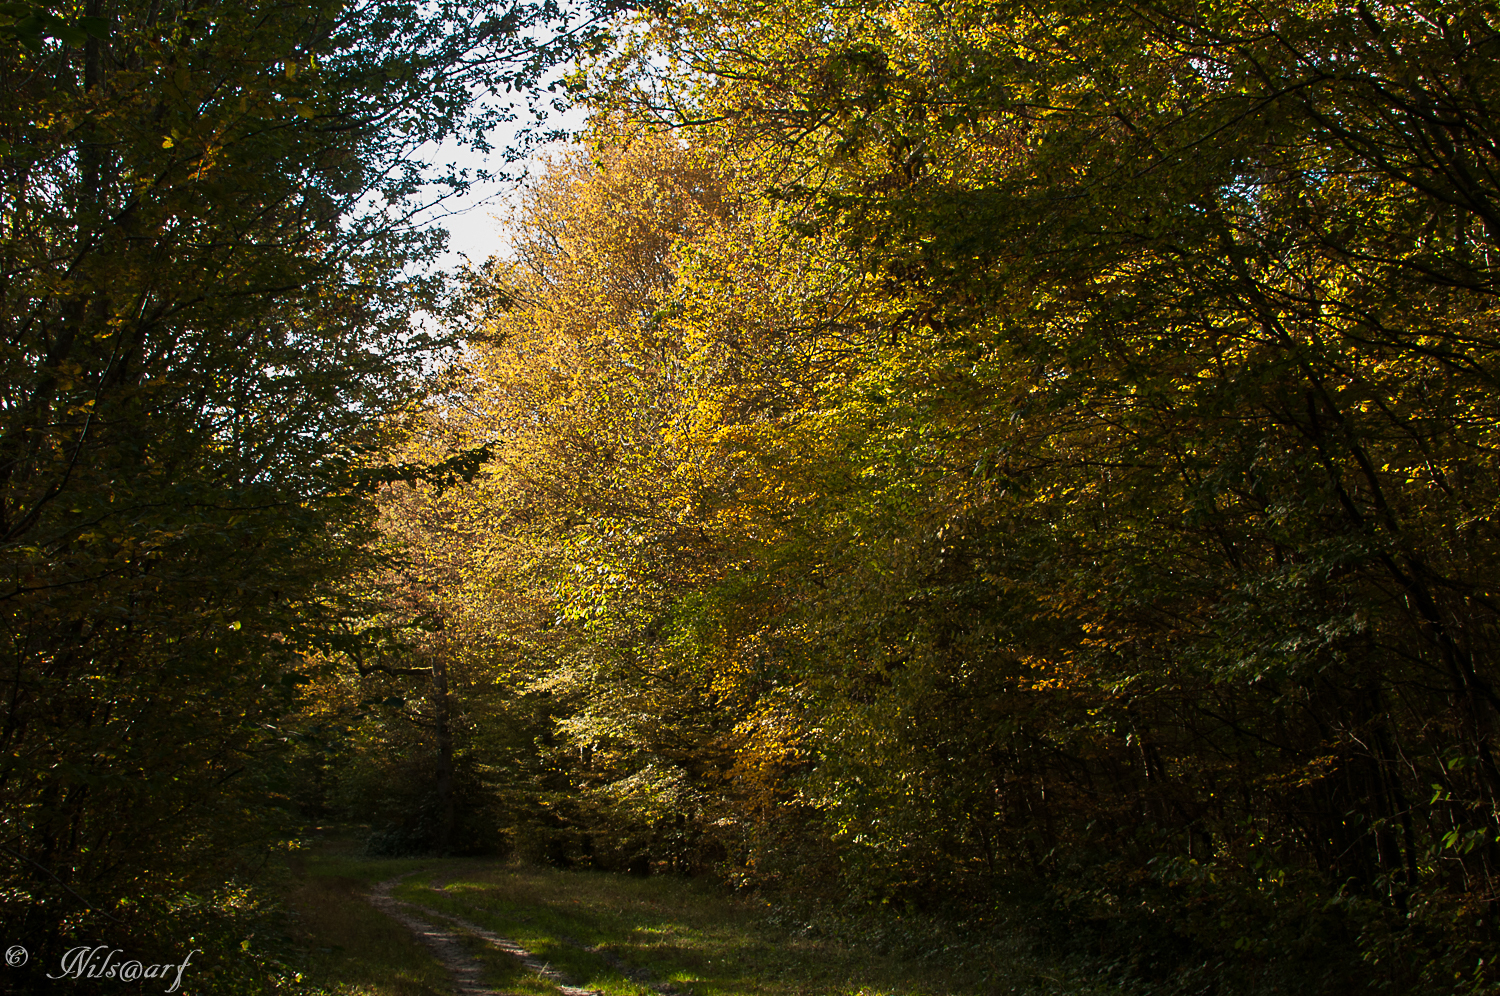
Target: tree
point(1170, 449)
point(592, 560)
point(211, 260)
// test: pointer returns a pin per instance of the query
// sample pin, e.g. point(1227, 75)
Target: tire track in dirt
point(468, 974)
point(634, 973)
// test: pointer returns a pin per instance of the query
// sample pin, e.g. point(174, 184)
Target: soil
point(447, 946)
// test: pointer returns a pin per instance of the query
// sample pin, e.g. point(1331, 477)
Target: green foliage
point(997, 450)
point(211, 268)
point(1158, 515)
point(29, 25)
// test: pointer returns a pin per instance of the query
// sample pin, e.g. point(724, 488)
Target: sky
point(474, 231)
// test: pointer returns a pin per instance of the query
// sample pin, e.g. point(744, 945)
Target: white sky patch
point(474, 220)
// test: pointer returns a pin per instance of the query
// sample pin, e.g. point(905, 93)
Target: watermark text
point(104, 962)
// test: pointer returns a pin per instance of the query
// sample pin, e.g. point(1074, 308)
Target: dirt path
point(468, 974)
point(633, 973)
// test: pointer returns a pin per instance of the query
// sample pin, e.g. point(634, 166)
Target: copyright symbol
point(16, 956)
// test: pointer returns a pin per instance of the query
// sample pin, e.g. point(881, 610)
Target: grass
point(681, 932)
point(344, 945)
point(614, 934)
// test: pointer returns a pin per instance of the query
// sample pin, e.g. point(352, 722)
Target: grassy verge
point(343, 945)
point(604, 931)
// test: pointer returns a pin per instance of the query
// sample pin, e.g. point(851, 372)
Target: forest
point(1030, 465)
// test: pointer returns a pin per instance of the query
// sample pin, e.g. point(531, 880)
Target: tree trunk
point(444, 731)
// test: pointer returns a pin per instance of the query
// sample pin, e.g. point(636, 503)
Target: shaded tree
point(211, 250)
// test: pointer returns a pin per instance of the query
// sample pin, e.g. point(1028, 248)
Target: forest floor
point(483, 927)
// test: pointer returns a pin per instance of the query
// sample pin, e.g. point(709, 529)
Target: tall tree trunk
point(444, 729)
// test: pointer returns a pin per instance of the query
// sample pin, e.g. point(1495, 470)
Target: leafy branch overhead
point(213, 255)
point(31, 25)
point(1034, 467)
point(955, 452)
